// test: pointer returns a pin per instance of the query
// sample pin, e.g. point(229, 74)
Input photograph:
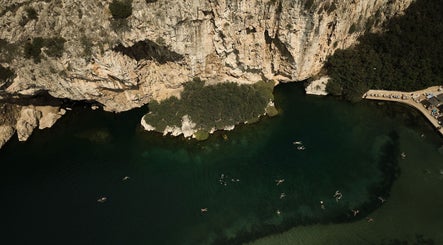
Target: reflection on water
point(52, 183)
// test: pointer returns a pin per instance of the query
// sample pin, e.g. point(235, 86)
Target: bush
point(87, 47)
point(31, 13)
point(308, 4)
point(9, 51)
point(121, 9)
point(5, 73)
point(55, 47)
point(332, 7)
point(33, 49)
point(353, 28)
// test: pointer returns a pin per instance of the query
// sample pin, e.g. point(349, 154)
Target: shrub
point(332, 7)
point(308, 4)
point(87, 47)
point(33, 49)
point(121, 9)
point(353, 28)
point(31, 13)
point(5, 73)
point(55, 47)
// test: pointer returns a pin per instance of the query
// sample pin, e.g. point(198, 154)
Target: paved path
point(409, 98)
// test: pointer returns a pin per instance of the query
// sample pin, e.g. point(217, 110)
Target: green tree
point(121, 9)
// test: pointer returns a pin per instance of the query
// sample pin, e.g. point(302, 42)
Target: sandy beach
point(409, 98)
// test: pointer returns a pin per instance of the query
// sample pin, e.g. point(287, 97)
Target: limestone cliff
point(85, 54)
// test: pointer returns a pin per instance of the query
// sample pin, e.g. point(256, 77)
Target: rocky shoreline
point(74, 50)
point(27, 119)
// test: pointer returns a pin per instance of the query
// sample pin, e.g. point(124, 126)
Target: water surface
point(50, 184)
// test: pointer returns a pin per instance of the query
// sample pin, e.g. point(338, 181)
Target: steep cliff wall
point(123, 64)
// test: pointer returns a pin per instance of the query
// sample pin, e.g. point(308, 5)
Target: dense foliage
point(212, 106)
point(405, 57)
point(33, 49)
point(54, 47)
point(5, 73)
point(121, 9)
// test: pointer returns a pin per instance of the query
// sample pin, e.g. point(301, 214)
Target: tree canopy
point(213, 106)
point(406, 57)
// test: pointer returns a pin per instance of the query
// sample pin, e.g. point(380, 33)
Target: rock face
point(8, 119)
point(24, 119)
point(6, 132)
point(318, 86)
point(123, 64)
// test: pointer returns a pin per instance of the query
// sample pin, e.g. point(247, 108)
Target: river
point(51, 184)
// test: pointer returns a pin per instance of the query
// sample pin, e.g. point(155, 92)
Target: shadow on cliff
point(149, 50)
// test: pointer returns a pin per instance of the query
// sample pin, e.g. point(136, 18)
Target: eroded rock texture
point(76, 50)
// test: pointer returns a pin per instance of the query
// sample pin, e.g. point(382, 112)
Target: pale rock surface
point(146, 126)
point(318, 86)
point(187, 128)
point(220, 41)
point(229, 128)
point(6, 132)
point(50, 115)
point(28, 120)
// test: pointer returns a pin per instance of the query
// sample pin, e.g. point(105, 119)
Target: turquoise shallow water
point(50, 184)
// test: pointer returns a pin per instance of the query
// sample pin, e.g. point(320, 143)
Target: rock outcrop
point(76, 50)
point(318, 86)
point(24, 119)
point(6, 132)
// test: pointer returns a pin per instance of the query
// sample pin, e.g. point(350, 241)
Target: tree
point(121, 9)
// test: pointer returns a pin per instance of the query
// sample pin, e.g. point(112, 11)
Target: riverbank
point(417, 99)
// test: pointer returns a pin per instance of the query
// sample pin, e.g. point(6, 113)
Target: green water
point(50, 184)
point(413, 213)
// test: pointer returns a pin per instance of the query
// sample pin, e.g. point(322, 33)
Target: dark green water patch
point(50, 185)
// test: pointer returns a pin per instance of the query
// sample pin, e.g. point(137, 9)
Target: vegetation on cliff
point(54, 47)
point(31, 14)
point(121, 9)
point(5, 73)
point(213, 106)
point(406, 57)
